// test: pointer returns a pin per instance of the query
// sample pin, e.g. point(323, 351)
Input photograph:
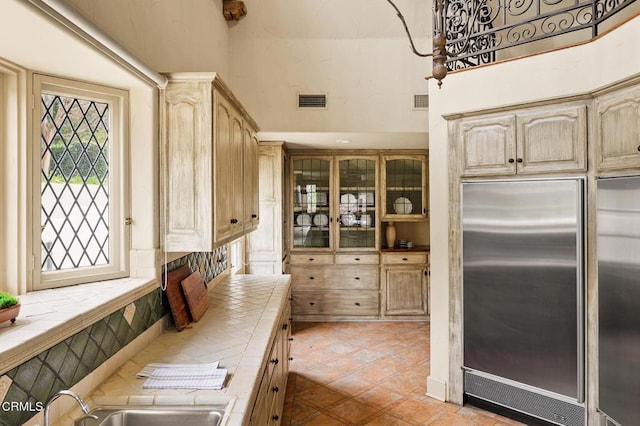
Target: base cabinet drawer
point(335, 278)
point(338, 303)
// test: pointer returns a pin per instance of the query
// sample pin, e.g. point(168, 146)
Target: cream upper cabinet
point(488, 145)
point(618, 130)
point(404, 187)
point(531, 141)
point(251, 185)
point(203, 154)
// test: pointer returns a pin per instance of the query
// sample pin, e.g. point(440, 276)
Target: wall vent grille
point(312, 100)
point(420, 101)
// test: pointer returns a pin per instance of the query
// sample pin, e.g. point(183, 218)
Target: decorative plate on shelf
point(303, 219)
point(348, 203)
point(321, 219)
point(402, 205)
point(349, 219)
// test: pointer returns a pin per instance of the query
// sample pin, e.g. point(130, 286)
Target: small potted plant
point(9, 307)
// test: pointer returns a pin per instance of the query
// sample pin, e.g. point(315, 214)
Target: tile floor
point(368, 373)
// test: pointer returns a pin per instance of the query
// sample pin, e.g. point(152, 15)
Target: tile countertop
point(236, 330)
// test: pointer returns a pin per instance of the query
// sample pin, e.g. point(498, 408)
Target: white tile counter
point(236, 330)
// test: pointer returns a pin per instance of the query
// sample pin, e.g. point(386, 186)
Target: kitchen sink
point(152, 415)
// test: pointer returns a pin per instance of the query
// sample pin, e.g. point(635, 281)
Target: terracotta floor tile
point(416, 411)
point(322, 397)
point(322, 420)
point(351, 385)
point(378, 397)
point(368, 373)
point(353, 411)
point(387, 420)
point(301, 411)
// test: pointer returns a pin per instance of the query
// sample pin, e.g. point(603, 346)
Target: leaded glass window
point(80, 181)
point(75, 184)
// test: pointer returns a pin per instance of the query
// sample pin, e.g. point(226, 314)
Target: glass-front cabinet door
point(311, 179)
point(404, 192)
point(356, 204)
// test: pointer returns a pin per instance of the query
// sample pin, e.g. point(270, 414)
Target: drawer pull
point(404, 259)
point(312, 303)
point(291, 339)
point(275, 417)
point(253, 216)
point(356, 278)
point(312, 278)
point(357, 258)
point(275, 361)
point(275, 389)
point(311, 259)
point(357, 303)
point(290, 358)
point(285, 326)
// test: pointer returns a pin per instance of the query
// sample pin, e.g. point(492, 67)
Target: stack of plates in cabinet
point(402, 244)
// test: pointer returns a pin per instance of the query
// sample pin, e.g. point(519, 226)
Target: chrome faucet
point(58, 394)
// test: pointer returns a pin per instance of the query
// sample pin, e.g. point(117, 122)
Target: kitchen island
point(243, 329)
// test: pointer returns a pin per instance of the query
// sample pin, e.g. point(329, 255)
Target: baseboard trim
point(436, 389)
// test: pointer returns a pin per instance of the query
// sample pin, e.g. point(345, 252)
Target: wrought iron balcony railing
point(477, 30)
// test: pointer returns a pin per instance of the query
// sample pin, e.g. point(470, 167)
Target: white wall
point(166, 35)
point(565, 72)
point(355, 51)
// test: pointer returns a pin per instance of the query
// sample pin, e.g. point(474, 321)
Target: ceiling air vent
point(420, 101)
point(312, 100)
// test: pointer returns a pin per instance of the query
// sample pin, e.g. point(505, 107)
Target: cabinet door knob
point(357, 303)
point(291, 339)
point(511, 160)
point(638, 147)
point(519, 160)
point(275, 417)
point(275, 389)
point(253, 216)
point(285, 326)
point(275, 361)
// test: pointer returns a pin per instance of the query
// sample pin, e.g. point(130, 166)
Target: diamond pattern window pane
point(74, 182)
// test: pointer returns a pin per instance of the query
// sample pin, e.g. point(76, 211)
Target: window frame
point(119, 183)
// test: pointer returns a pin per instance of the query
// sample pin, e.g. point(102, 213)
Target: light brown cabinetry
point(208, 150)
point(404, 187)
point(618, 130)
point(536, 140)
point(404, 285)
point(328, 287)
point(334, 239)
point(267, 245)
point(269, 402)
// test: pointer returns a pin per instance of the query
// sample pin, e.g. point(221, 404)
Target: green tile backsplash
point(68, 362)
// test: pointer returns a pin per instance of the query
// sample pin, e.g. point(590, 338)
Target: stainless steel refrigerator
point(618, 223)
point(523, 296)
